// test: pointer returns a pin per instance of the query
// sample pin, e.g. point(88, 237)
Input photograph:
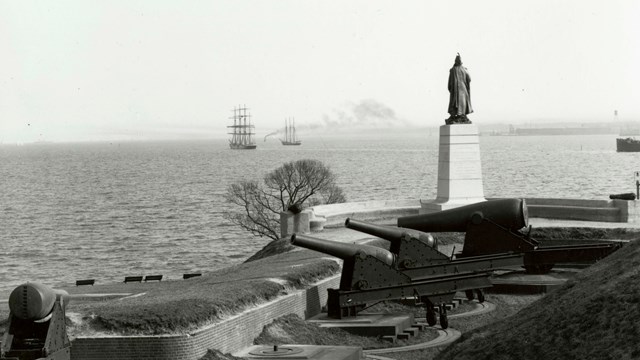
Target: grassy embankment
point(180, 306)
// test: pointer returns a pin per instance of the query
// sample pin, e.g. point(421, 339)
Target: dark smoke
point(367, 113)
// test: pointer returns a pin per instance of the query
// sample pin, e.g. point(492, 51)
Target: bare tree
point(301, 183)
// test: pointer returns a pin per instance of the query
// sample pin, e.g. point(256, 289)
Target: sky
point(138, 70)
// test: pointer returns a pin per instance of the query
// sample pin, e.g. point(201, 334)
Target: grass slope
point(596, 315)
point(213, 354)
point(182, 306)
point(274, 247)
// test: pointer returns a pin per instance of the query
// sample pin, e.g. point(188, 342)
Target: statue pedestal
point(291, 223)
point(459, 169)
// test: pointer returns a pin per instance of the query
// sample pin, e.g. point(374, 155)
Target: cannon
point(509, 213)
point(414, 250)
point(495, 226)
point(371, 275)
point(417, 254)
point(390, 233)
point(36, 328)
point(342, 250)
point(406, 244)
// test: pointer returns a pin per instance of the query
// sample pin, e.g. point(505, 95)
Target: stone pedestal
point(632, 210)
point(294, 223)
point(459, 169)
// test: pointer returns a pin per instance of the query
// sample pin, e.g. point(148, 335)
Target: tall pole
point(637, 174)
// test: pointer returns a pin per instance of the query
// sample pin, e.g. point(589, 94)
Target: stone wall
point(578, 209)
point(335, 214)
point(228, 336)
point(633, 211)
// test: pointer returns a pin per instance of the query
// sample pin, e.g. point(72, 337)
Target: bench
point(188, 276)
point(132, 279)
point(153, 278)
point(85, 282)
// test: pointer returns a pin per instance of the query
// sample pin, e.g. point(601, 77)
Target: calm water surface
point(106, 210)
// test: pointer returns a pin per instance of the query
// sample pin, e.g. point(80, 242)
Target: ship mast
point(241, 134)
point(234, 138)
point(244, 126)
point(287, 130)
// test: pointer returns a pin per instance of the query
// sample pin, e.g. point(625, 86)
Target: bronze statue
point(459, 94)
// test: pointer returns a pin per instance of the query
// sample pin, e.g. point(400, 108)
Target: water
point(103, 211)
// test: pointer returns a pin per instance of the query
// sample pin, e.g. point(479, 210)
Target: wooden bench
point(188, 276)
point(153, 278)
point(85, 282)
point(132, 279)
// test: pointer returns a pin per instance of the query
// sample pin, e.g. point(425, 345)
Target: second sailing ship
point(290, 133)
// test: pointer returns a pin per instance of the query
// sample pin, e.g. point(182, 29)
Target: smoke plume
point(367, 113)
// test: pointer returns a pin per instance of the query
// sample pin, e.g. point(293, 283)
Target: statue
point(459, 94)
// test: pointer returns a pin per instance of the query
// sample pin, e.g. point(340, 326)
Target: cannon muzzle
point(508, 213)
point(341, 250)
point(390, 233)
point(33, 301)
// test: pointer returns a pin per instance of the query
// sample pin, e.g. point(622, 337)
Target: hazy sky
point(104, 70)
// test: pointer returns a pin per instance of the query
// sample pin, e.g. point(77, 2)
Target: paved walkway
point(445, 337)
point(479, 309)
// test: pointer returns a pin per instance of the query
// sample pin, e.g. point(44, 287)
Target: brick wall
point(228, 336)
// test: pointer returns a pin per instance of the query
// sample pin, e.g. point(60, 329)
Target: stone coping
point(616, 211)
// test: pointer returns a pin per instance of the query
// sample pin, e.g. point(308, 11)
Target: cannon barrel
point(390, 233)
point(33, 301)
point(509, 213)
point(341, 250)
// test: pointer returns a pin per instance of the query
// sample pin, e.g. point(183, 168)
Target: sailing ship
point(242, 130)
point(290, 133)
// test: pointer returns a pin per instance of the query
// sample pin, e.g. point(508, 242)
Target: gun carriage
point(371, 274)
point(417, 254)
